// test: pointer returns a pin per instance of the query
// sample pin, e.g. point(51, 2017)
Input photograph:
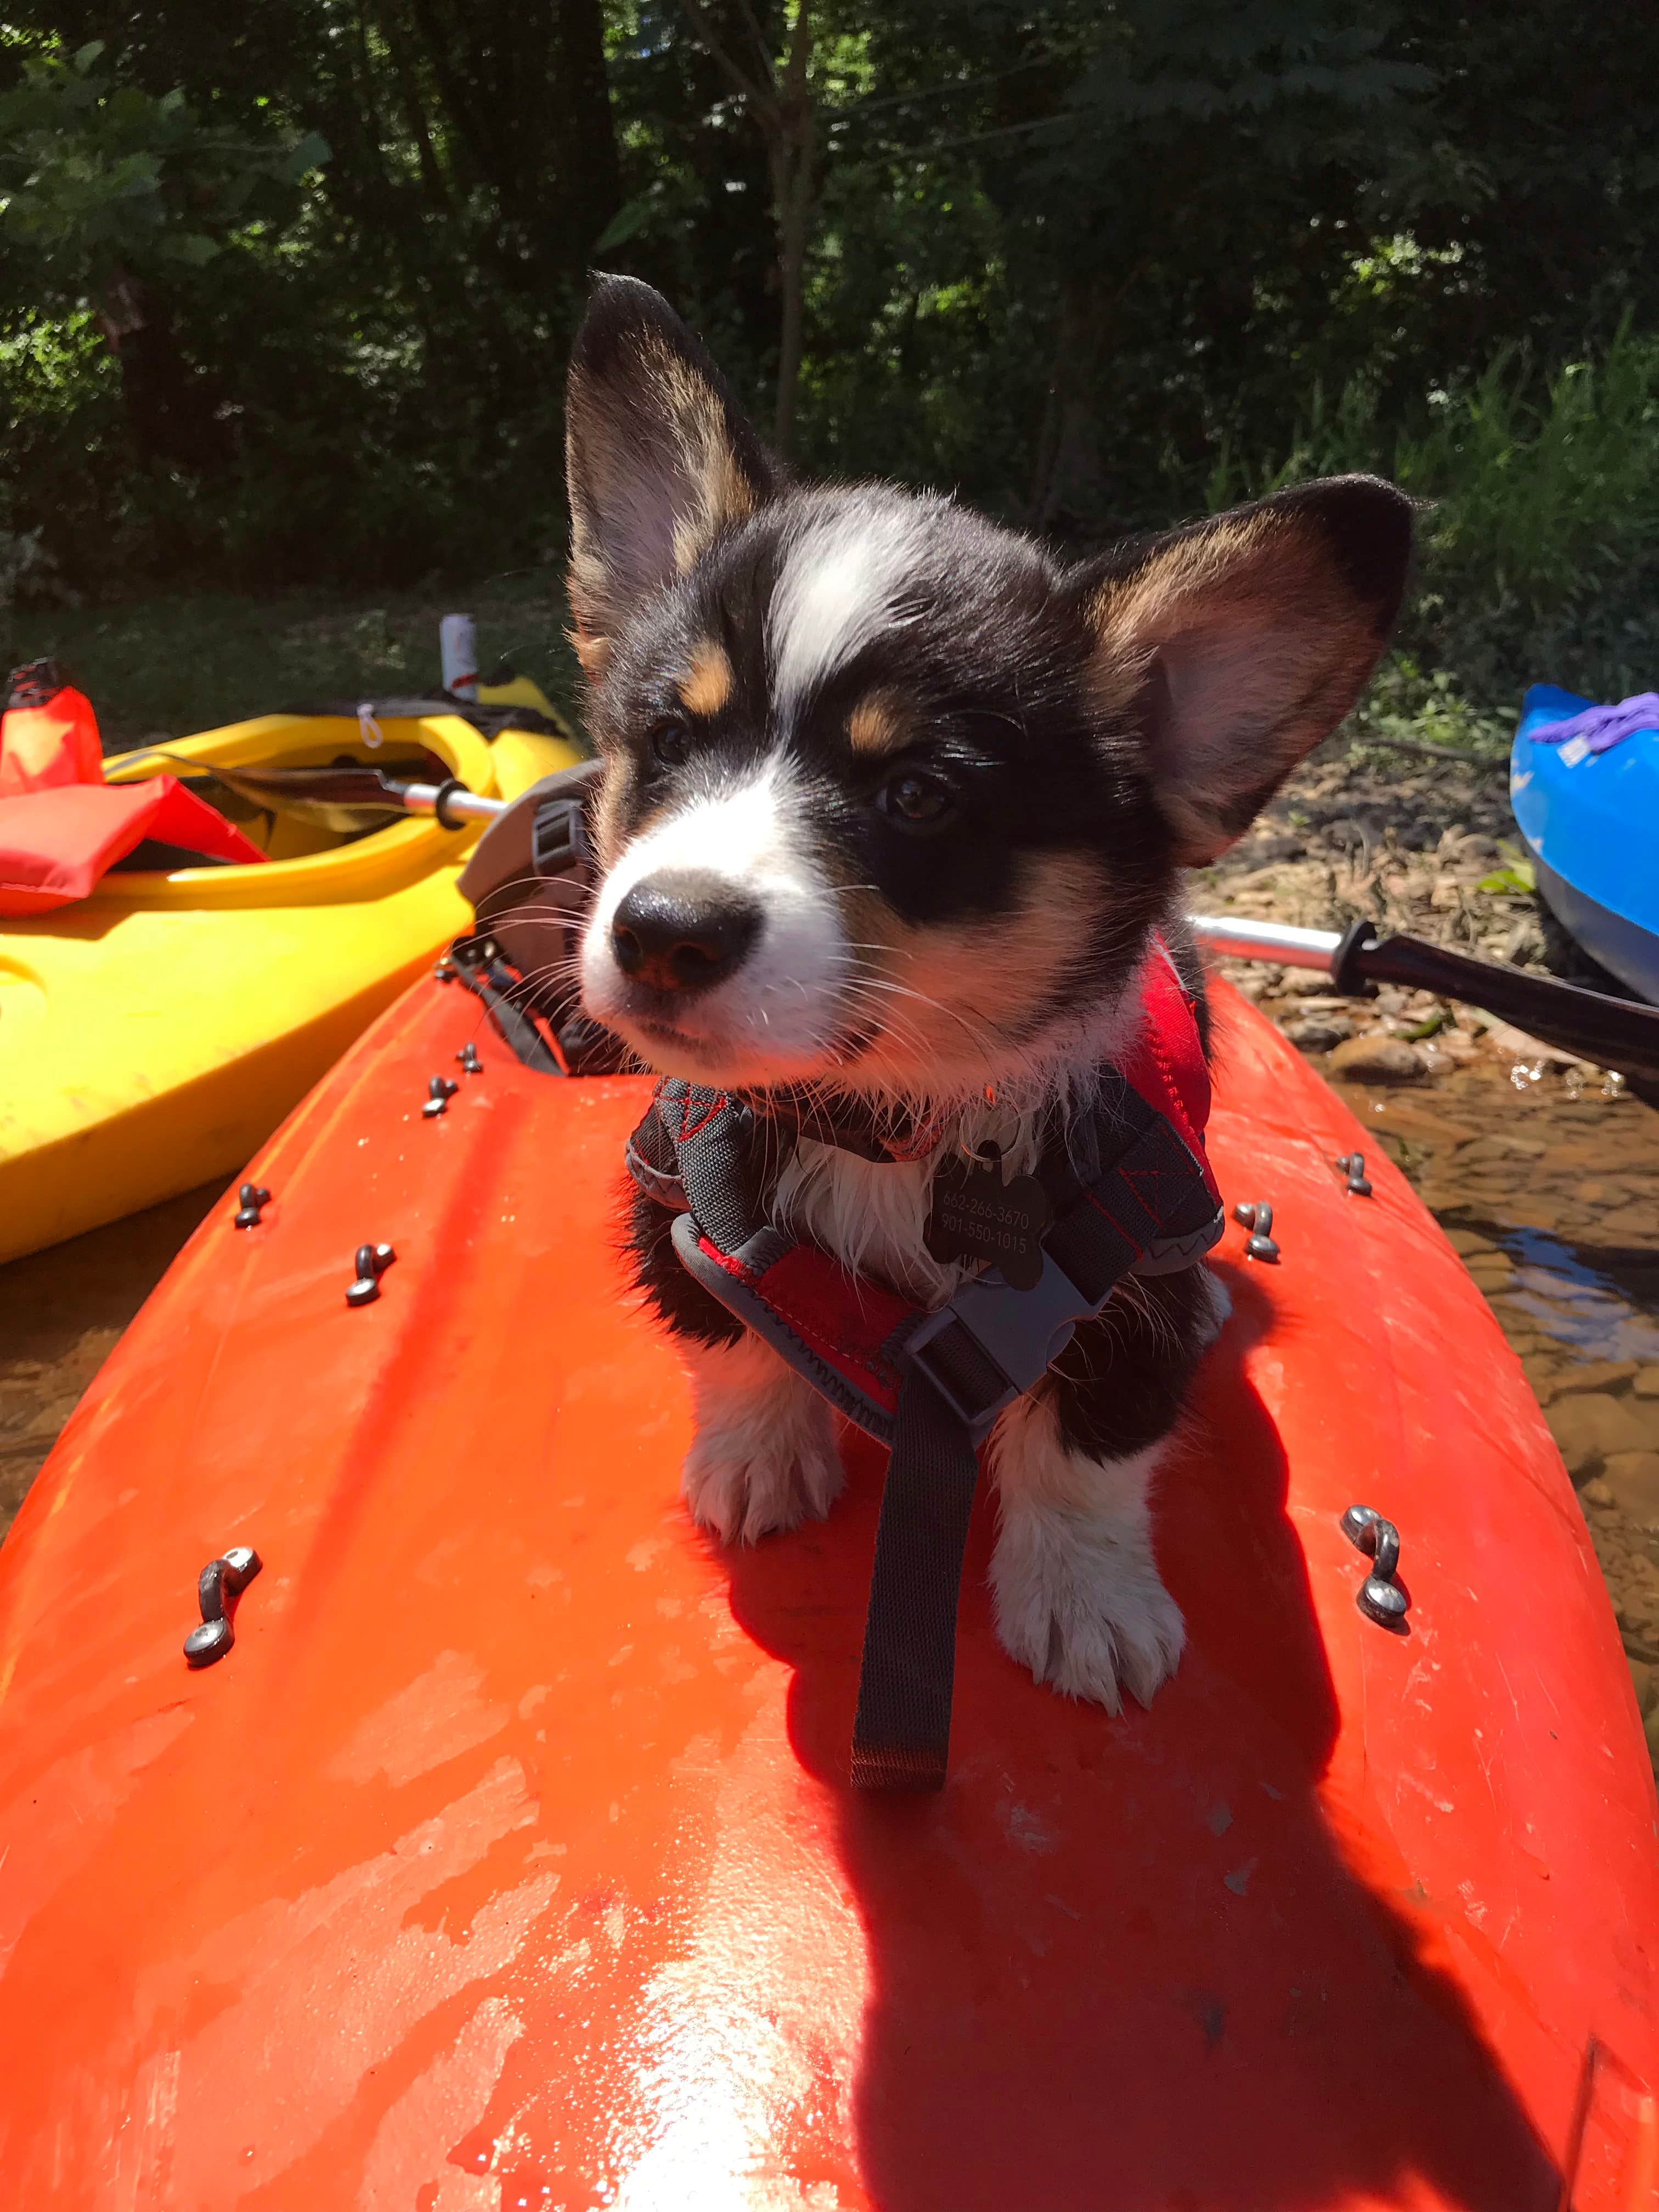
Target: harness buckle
point(558, 837)
point(991, 1342)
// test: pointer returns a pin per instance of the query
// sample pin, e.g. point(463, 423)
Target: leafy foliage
point(95, 174)
point(1540, 537)
point(1092, 263)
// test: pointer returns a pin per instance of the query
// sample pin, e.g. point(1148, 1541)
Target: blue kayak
point(1592, 820)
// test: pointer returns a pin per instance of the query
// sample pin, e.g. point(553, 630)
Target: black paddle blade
point(1617, 1033)
point(347, 796)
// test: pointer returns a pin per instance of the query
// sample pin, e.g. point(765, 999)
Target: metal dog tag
point(975, 1215)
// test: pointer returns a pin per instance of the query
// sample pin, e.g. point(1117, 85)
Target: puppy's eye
point(914, 800)
point(669, 743)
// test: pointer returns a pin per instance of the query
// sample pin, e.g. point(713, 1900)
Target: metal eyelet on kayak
point(1380, 1597)
point(1352, 1165)
point(252, 1196)
point(371, 1263)
point(445, 971)
point(221, 1580)
point(440, 1090)
point(468, 1056)
point(1258, 1217)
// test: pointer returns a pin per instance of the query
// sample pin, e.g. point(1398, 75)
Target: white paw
point(1086, 1614)
point(764, 1455)
point(745, 1493)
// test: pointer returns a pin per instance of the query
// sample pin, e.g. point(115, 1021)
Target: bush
point(1541, 542)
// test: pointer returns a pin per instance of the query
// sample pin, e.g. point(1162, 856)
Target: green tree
point(108, 192)
point(1078, 259)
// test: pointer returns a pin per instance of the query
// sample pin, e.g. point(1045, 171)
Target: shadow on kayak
point(1212, 2004)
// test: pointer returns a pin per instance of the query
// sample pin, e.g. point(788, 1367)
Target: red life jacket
point(56, 844)
point(48, 732)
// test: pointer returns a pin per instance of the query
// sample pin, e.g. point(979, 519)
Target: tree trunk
point(592, 171)
point(793, 149)
point(780, 109)
point(792, 186)
point(434, 183)
point(176, 412)
point(1070, 485)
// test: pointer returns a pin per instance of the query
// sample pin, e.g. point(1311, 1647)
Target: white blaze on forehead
point(837, 590)
point(783, 998)
point(739, 834)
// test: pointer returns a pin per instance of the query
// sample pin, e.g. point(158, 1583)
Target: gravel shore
point(1431, 850)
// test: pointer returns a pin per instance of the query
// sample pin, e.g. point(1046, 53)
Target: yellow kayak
point(152, 1035)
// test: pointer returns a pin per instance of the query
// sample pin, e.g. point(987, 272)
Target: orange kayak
point(508, 1859)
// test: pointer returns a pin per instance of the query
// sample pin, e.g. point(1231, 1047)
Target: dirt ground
point(1408, 844)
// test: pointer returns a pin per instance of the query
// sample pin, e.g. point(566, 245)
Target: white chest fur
point(872, 1215)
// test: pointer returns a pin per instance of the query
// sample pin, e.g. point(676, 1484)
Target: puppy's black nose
point(682, 930)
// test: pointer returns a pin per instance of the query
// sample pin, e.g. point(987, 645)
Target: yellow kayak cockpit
point(155, 1033)
point(496, 769)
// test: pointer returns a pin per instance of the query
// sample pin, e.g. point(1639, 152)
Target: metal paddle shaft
point(347, 796)
point(1618, 1033)
point(451, 803)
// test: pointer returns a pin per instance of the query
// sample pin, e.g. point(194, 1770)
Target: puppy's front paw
point(745, 1489)
point(1085, 1612)
point(764, 1456)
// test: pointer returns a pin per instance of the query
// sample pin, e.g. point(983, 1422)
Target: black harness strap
point(902, 1734)
point(498, 989)
point(1131, 1196)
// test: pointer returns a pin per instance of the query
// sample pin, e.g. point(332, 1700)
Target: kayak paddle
point(1618, 1033)
point(349, 798)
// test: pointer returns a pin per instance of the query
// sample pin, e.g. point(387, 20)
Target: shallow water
point(61, 1312)
point(1550, 1191)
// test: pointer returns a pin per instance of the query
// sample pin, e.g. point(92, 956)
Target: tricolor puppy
point(893, 803)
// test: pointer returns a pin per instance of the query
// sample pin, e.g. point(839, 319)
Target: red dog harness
point(1125, 1188)
point(1129, 1190)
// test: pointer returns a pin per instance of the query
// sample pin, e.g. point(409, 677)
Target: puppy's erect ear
point(658, 458)
point(1238, 643)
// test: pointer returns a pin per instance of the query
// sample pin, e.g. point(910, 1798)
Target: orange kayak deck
point(508, 1860)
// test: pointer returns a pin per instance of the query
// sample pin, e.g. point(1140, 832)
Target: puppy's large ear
point(658, 458)
point(1238, 643)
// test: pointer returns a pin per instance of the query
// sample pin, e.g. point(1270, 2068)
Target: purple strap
point(1601, 727)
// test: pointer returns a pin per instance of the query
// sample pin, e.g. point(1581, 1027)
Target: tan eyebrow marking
point(877, 725)
point(709, 684)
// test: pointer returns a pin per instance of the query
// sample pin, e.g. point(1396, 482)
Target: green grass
point(169, 666)
point(1539, 532)
point(1428, 706)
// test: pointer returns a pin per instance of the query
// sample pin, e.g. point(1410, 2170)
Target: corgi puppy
point(893, 803)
